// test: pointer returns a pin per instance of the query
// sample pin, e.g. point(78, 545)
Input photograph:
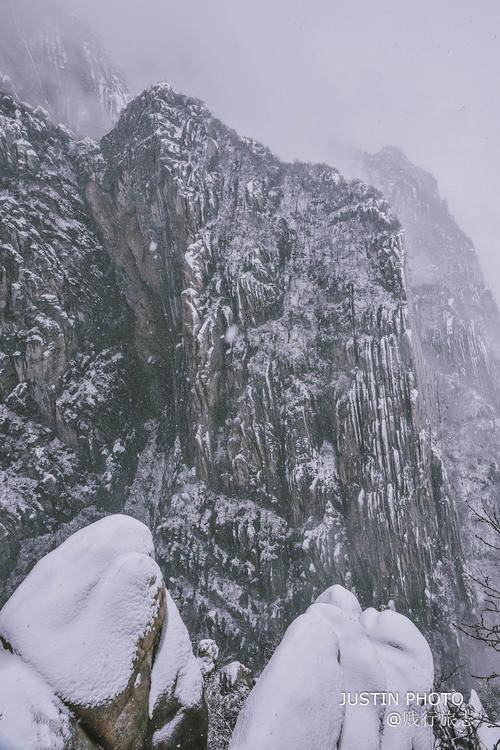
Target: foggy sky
point(310, 77)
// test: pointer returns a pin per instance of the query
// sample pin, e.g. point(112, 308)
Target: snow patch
point(175, 674)
point(32, 717)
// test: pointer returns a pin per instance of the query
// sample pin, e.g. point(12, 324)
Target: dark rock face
point(458, 325)
point(67, 375)
point(235, 363)
point(271, 298)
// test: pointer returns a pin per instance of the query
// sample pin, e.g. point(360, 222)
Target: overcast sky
point(307, 77)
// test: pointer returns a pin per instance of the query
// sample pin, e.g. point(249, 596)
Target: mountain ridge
point(264, 314)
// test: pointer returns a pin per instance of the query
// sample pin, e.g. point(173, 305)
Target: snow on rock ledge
point(335, 648)
point(89, 618)
point(176, 683)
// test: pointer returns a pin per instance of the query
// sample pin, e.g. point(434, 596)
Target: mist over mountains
point(312, 82)
point(290, 377)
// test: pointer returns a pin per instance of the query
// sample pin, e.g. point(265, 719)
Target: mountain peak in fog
point(57, 63)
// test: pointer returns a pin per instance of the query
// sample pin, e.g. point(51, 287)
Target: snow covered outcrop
point(334, 649)
point(94, 620)
point(176, 703)
point(207, 655)
point(226, 688)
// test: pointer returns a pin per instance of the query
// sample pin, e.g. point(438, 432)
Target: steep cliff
point(271, 299)
point(68, 377)
point(231, 358)
point(458, 324)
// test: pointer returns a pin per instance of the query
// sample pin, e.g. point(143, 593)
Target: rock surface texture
point(328, 657)
point(459, 328)
point(271, 299)
point(70, 402)
point(223, 346)
point(95, 638)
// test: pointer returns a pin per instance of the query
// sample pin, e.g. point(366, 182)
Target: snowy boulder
point(295, 703)
point(308, 697)
point(207, 655)
point(234, 675)
point(89, 619)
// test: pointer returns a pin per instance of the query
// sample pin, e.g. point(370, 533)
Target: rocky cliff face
point(222, 345)
point(68, 377)
point(272, 298)
point(458, 325)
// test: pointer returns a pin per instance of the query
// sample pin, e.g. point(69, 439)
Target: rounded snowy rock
point(82, 612)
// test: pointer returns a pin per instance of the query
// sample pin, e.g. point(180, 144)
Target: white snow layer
point(81, 612)
point(175, 672)
point(331, 649)
point(32, 717)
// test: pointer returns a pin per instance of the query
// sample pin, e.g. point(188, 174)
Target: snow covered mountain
point(223, 346)
point(291, 378)
point(54, 62)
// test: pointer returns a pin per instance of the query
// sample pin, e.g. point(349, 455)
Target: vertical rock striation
point(458, 324)
point(271, 299)
point(222, 345)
